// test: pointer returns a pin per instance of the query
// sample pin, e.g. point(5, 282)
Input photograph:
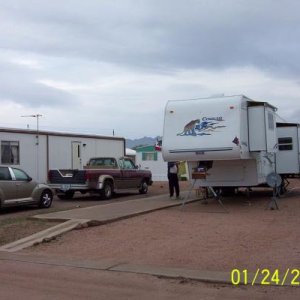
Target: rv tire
point(66, 195)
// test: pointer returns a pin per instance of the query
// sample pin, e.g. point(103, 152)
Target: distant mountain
point(145, 141)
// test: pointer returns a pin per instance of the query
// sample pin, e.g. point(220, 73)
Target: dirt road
point(196, 237)
point(21, 280)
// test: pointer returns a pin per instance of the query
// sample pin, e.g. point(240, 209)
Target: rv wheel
point(282, 189)
point(66, 195)
point(228, 191)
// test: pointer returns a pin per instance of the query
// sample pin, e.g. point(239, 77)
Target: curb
point(212, 277)
point(122, 267)
point(45, 235)
point(174, 273)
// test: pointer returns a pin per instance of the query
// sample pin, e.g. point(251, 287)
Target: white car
point(18, 188)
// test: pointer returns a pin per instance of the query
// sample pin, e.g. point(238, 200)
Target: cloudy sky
point(95, 66)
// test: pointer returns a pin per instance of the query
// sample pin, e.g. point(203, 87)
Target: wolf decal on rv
point(205, 126)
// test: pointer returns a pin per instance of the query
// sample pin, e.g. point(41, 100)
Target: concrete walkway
point(101, 214)
point(91, 216)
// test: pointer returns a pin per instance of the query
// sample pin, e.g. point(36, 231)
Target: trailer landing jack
point(208, 190)
point(273, 204)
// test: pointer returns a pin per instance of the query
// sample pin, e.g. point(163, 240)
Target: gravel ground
point(198, 236)
point(15, 223)
point(16, 228)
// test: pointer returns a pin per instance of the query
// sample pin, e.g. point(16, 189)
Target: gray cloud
point(162, 34)
point(125, 58)
point(20, 84)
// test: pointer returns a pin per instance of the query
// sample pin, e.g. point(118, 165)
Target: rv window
point(285, 143)
point(10, 153)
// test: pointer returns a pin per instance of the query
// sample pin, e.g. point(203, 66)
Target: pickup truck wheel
point(143, 188)
point(66, 195)
point(46, 199)
point(107, 190)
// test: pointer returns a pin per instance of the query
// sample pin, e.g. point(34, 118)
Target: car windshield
point(20, 175)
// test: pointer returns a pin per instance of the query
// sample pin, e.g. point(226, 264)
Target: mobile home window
point(149, 156)
point(10, 152)
point(285, 143)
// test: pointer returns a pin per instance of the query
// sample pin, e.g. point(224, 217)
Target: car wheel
point(46, 199)
point(143, 188)
point(66, 195)
point(107, 190)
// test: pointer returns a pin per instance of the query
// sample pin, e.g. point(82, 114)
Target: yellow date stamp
point(289, 276)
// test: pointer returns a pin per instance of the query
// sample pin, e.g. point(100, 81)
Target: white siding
point(244, 140)
point(257, 128)
point(287, 161)
point(262, 129)
point(159, 167)
point(28, 153)
point(202, 129)
point(59, 152)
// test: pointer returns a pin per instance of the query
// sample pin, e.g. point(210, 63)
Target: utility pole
point(37, 116)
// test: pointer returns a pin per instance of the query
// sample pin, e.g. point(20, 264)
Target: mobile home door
point(76, 155)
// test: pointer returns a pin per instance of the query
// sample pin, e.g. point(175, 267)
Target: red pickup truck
point(102, 176)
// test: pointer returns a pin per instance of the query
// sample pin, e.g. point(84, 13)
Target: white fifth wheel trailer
point(288, 155)
point(227, 141)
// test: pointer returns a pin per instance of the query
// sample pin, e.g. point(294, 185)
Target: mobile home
point(37, 152)
point(231, 141)
point(148, 158)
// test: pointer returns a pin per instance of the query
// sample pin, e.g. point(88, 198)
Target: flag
point(158, 145)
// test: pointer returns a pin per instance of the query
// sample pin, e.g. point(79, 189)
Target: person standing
point(173, 169)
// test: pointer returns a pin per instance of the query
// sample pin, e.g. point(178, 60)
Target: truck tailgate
point(67, 177)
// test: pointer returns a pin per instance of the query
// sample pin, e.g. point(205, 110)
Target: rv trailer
point(288, 155)
point(228, 142)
